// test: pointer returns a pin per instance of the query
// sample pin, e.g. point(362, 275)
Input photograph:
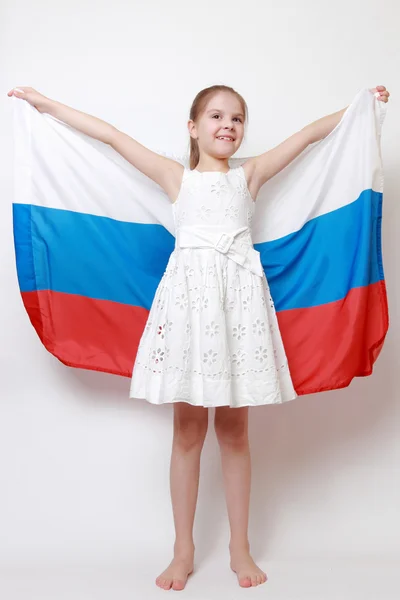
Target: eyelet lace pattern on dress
point(212, 336)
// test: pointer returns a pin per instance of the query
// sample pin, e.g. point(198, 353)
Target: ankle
point(183, 548)
point(239, 546)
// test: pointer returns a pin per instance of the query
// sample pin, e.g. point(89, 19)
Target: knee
point(190, 430)
point(231, 432)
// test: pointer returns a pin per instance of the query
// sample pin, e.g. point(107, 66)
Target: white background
point(84, 471)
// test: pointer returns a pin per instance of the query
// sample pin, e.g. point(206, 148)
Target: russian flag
point(93, 236)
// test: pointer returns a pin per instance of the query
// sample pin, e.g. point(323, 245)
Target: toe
point(245, 582)
point(254, 580)
point(178, 584)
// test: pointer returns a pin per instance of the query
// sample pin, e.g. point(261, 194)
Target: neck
point(214, 165)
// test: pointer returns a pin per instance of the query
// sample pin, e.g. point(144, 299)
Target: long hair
point(197, 108)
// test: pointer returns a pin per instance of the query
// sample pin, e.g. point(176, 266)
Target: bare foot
point(247, 572)
point(176, 574)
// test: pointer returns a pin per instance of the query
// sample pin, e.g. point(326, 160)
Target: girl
point(212, 337)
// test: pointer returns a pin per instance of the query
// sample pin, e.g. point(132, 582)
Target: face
point(220, 128)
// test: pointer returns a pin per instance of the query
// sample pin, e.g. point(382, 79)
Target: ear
point(192, 129)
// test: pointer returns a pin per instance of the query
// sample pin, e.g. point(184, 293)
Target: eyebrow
point(219, 110)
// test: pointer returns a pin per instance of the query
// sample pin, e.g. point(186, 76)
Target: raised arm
point(259, 169)
point(164, 171)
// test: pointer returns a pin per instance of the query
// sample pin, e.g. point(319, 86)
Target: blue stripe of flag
point(103, 258)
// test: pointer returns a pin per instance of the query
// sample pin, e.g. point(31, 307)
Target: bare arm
point(260, 168)
point(164, 171)
point(92, 126)
point(318, 130)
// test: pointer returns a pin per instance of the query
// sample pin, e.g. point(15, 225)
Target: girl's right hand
point(34, 98)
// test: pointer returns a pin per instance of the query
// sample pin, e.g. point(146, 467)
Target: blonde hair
point(198, 107)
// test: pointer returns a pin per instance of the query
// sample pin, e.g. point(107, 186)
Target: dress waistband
point(236, 247)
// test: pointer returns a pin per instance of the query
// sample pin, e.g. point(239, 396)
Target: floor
point(287, 580)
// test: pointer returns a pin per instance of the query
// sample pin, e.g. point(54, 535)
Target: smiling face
point(219, 129)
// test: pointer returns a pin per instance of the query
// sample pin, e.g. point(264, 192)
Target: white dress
point(212, 336)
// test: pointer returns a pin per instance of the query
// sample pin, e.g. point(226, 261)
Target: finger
point(382, 96)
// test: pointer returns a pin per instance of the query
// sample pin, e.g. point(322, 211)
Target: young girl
point(212, 337)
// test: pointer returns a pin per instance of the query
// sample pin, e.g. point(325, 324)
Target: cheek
point(211, 130)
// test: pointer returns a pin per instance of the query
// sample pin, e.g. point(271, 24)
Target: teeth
point(225, 138)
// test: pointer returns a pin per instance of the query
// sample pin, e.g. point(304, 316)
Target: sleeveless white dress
point(212, 336)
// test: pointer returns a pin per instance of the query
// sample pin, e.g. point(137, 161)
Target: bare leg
point(231, 427)
point(190, 428)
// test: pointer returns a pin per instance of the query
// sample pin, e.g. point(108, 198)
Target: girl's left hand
point(383, 93)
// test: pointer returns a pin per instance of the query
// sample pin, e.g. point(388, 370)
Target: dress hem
point(175, 401)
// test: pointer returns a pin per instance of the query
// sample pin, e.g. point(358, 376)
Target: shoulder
point(173, 179)
point(249, 167)
point(184, 177)
point(247, 172)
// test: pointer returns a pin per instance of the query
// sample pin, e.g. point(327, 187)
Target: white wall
point(84, 470)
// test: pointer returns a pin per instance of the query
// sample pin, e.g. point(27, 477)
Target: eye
point(215, 116)
point(239, 119)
